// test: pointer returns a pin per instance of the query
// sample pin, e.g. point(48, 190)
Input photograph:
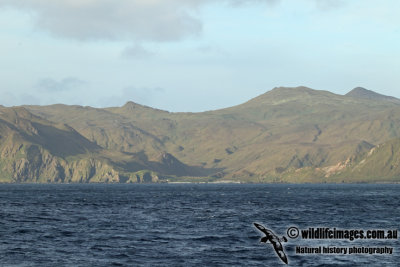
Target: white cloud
point(154, 20)
point(132, 20)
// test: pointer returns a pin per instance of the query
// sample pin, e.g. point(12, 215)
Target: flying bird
point(274, 240)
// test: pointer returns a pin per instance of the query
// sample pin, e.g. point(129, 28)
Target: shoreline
point(214, 182)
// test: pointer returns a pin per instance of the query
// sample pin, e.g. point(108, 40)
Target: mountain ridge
point(284, 135)
point(360, 92)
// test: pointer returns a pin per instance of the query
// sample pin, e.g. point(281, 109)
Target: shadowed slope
point(264, 139)
point(34, 149)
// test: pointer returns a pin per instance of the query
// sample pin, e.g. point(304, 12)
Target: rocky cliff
point(285, 135)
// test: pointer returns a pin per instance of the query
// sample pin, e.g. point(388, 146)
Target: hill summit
point(285, 135)
point(360, 92)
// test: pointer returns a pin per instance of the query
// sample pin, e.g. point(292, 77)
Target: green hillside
point(285, 135)
point(34, 149)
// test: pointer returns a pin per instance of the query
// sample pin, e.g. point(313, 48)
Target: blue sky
point(193, 55)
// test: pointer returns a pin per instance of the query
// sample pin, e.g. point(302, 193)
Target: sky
point(193, 55)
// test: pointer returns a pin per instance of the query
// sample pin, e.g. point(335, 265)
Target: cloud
point(148, 20)
point(132, 20)
point(66, 84)
point(136, 51)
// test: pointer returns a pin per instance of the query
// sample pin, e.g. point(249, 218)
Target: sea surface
point(188, 224)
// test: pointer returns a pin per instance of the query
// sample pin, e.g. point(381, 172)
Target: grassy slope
point(267, 138)
point(34, 149)
point(381, 161)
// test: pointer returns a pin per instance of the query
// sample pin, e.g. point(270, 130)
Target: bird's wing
point(279, 250)
point(261, 228)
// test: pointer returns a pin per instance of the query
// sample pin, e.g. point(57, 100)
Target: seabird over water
point(274, 240)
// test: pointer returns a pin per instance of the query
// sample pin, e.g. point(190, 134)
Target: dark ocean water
point(187, 224)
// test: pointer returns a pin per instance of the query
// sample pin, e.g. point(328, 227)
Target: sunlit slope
point(380, 163)
point(267, 138)
point(33, 149)
point(308, 128)
point(108, 130)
